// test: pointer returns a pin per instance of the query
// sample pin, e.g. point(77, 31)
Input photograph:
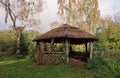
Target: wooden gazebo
point(64, 33)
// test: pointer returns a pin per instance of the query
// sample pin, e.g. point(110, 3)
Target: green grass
point(23, 69)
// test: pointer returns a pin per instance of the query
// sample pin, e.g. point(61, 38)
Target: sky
point(49, 14)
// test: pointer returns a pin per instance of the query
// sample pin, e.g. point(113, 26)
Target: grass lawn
point(23, 69)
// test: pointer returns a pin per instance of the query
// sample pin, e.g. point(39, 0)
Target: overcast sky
point(107, 7)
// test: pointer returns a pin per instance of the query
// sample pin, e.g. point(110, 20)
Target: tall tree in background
point(54, 24)
point(108, 33)
point(112, 31)
point(22, 12)
point(81, 13)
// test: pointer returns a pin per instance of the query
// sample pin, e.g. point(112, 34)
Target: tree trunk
point(18, 45)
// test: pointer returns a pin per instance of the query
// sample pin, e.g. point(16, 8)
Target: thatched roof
point(74, 34)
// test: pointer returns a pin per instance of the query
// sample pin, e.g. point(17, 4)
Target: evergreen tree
point(24, 44)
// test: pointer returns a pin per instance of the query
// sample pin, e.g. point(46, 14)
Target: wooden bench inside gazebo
point(67, 35)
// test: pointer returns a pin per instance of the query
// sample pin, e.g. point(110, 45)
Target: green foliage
point(114, 67)
point(7, 43)
point(50, 46)
point(78, 48)
point(102, 72)
point(61, 47)
point(108, 48)
point(109, 38)
point(113, 62)
point(24, 44)
point(96, 61)
point(113, 36)
point(27, 45)
point(102, 44)
point(55, 47)
point(105, 64)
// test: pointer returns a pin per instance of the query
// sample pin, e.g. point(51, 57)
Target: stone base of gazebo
point(52, 58)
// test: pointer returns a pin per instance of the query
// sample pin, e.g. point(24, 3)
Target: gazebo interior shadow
point(80, 56)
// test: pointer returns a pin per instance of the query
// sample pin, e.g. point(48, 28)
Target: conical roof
point(65, 31)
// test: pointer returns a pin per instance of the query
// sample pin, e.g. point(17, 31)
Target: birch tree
point(81, 13)
point(54, 24)
point(22, 12)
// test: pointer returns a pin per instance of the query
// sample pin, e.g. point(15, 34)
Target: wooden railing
point(54, 52)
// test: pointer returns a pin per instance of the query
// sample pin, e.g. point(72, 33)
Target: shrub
point(24, 44)
point(7, 43)
point(105, 65)
point(112, 59)
point(96, 61)
point(28, 40)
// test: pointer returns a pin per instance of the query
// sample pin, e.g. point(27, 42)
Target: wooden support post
point(37, 53)
point(67, 50)
point(91, 50)
point(42, 50)
point(42, 47)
